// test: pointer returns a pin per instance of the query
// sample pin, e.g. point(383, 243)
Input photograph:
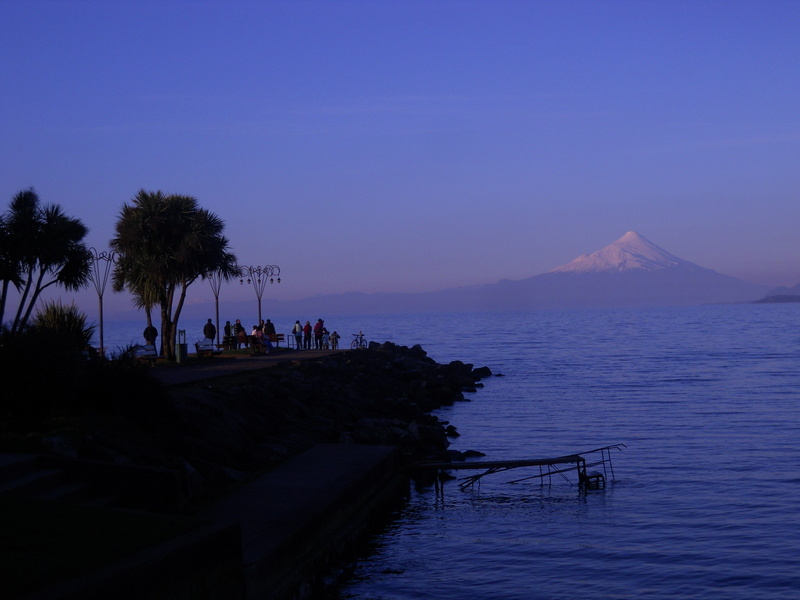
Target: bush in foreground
point(53, 373)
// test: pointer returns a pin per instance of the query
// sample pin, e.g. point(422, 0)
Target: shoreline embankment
point(294, 459)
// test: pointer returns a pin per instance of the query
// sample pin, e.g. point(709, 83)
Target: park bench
point(147, 354)
point(206, 348)
point(228, 343)
point(258, 348)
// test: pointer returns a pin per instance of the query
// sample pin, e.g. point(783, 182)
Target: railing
point(547, 467)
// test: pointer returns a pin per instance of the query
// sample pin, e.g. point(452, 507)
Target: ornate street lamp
point(259, 276)
point(101, 268)
point(215, 279)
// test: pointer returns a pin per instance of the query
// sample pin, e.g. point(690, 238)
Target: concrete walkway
point(275, 538)
point(297, 519)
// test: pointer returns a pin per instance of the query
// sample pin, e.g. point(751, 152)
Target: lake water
point(706, 495)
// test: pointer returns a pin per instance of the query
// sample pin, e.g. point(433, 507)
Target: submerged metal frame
point(586, 480)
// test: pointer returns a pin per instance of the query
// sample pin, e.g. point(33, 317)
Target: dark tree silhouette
point(165, 243)
point(40, 246)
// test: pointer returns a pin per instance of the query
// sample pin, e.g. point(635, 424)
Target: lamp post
point(101, 268)
point(259, 276)
point(215, 279)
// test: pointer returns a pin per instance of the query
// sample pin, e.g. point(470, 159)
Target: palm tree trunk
point(149, 314)
point(3, 298)
point(167, 338)
point(36, 293)
point(179, 308)
point(22, 301)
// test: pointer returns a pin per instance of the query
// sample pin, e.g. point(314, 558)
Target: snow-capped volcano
point(634, 272)
point(631, 252)
point(629, 272)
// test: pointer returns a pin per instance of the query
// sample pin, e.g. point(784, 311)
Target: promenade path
point(298, 519)
point(222, 365)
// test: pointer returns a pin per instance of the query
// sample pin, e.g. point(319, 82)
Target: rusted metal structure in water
point(581, 462)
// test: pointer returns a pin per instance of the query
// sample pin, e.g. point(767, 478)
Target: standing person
point(307, 336)
point(318, 327)
point(297, 330)
point(334, 341)
point(209, 331)
point(240, 333)
point(150, 334)
point(228, 339)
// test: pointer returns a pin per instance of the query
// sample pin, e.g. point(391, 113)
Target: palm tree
point(9, 265)
point(41, 247)
point(165, 243)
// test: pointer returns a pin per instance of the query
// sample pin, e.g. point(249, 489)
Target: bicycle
point(358, 341)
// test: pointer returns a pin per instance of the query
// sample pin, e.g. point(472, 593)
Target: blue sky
point(417, 145)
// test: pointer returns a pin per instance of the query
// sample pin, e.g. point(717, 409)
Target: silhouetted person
point(150, 334)
point(297, 330)
point(241, 334)
point(209, 331)
point(318, 327)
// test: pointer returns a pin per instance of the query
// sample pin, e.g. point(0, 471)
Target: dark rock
point(473, 454)
point(482, 372)
point(219, 435)
point(454, 456)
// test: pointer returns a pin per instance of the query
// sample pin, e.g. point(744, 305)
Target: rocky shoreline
point(281, 465)
point(219, 433)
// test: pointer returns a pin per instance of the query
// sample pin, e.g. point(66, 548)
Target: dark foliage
point(48, 376)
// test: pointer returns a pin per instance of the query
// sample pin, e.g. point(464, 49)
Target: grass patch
point(42, 543)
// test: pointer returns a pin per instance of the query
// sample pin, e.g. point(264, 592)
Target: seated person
point(260, 342)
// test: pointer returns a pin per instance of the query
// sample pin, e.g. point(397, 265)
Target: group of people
point(306, 336)
point(261, 334)
point(322, 338)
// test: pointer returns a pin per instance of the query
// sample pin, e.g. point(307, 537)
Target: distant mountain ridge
point(632, 271)
point(782, 295)
point(785, 291)
point(779, 299)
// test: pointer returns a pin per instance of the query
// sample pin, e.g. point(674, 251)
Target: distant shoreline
point(779, 299)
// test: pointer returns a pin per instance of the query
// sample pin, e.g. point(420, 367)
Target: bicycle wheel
point(363, 343)
point(354, 345)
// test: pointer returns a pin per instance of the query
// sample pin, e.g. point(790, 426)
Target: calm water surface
point(706, 497)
